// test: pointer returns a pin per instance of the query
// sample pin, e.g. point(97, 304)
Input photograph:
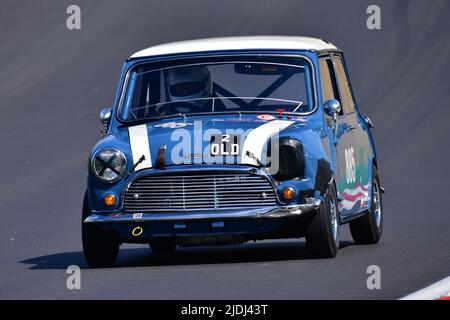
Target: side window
point(348, 105)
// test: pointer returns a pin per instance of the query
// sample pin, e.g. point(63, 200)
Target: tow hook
point(137, 231)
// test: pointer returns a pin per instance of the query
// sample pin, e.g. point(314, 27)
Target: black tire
point(367, 229)
point(100, 247)
point(322, 239)
point(163, 245)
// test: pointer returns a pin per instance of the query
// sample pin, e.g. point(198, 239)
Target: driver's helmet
point(191, 82)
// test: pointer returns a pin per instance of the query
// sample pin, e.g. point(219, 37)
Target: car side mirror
point(105, 119)
point(332, 108)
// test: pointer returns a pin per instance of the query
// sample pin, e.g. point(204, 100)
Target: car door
point(344, 139)
point(355, 193)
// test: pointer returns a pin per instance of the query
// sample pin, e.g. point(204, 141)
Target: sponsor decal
point(299, 119)
point(173, 125)
point(137, 215)
point(191, 155)
point(237, 120)
point(352, 197)
point(266, 117)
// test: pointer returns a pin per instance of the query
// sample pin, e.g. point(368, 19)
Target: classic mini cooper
point(229, 140)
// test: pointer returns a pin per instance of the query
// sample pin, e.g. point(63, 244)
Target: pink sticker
point(266, 117)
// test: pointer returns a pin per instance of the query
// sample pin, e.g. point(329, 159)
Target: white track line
point(432, 292)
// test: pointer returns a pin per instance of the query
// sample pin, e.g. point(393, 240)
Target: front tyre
point(367, 229)
point(322, 233)
point(100, 247)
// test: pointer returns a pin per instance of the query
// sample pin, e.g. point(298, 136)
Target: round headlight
point(109, 165)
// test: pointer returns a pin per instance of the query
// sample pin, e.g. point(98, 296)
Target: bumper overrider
point(137, 225)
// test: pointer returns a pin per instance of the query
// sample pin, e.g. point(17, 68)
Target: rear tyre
point(163, 245)
point(100, 247)
point(367, 229)
point(322, 233)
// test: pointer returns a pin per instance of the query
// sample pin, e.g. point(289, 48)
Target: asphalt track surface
point(53, 82)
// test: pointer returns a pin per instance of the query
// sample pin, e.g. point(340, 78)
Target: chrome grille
point(198, 192)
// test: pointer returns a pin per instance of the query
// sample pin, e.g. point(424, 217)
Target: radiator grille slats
point(166, 193)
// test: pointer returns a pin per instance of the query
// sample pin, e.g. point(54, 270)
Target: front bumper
point(310, 204)
point(246, 224)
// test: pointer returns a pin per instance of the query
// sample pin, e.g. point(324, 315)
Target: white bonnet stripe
point(140, 146)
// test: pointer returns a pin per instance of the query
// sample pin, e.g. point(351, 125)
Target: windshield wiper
point(141, 159)
point(251, 155)
point(145, 120)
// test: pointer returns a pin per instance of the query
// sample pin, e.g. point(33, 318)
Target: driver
point(188, 85)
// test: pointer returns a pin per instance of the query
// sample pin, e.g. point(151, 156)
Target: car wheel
point(322, 233)
point(367, 229)
point(163, 245)
point(100, 247)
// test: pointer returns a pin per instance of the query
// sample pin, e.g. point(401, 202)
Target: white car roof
point(237, 43)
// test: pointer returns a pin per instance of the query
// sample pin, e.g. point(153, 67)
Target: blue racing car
point(228, 140)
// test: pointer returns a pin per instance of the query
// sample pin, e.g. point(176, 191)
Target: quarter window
point(328, 87)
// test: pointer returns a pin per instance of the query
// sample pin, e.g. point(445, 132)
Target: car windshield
point(217, 84)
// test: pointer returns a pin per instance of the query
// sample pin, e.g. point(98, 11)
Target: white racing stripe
point(257, 138)
point(140, 146)
point(432, 292)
